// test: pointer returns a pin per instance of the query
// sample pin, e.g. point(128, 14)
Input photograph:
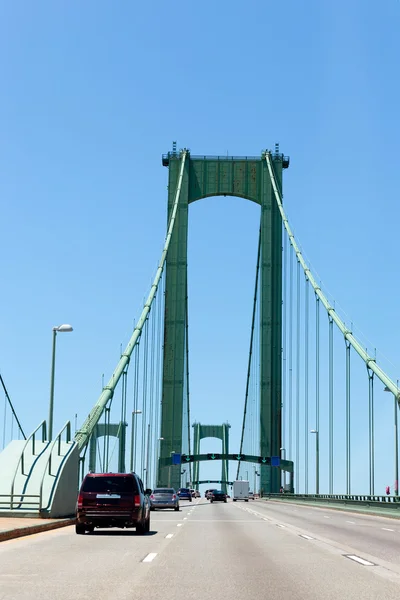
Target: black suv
point(217, 495)
point(112, 500)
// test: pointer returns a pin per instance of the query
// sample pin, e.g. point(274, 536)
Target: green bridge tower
point(221, 432)
point(246, 177)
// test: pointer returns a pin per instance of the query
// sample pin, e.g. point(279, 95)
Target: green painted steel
point(174, 370)
point(221, 432)
point(285, 465)
point(249, 178)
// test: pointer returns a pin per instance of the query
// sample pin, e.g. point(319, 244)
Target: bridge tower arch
point(220, 432)
point(246, 177)
point(116, 430)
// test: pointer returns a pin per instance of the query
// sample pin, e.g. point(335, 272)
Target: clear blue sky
point(94, 92)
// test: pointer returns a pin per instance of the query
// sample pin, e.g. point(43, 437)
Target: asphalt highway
point(236, 550)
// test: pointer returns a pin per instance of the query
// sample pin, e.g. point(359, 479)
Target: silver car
point(164, 498)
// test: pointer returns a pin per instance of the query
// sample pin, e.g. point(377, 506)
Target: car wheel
point(211, 501)
point(225, 501)
point(90, 528)
point(176, 508)
point(246, 499)
point(80, 529)
point(147, 525)
point(234, 499)
point(152, 508)
point(141, 528)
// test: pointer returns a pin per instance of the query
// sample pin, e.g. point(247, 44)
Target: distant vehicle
point(209, 493)
point(184, 493)
point(195, 493)
point(112, 500)
point(241, 490)
point(218, 496)
point(164, 498)
point(251, 496)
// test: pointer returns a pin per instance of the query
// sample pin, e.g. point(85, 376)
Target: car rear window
point(164, 491)
point(110, 484)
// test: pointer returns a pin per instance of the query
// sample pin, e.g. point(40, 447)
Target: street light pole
point(133, 439)
point(61, 329)
point(316, 460)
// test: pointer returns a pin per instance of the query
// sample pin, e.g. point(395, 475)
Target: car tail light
point(173, 496)
point(152, 497)
point(136, 499)
point(80, 501)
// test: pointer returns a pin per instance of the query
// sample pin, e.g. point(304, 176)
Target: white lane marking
point(387, 529)
point(306, 537)
point(169, 536)
point(185, 518)
point(360, 560)
point(179, 524)
point(351, 522)
point(150, 557)
point(326, 517)
point(279, 525)
point(265, 519)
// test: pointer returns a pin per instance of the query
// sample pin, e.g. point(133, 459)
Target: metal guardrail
point(391, 502)
point(20, 499)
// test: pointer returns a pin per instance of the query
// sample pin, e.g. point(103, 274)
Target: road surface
point(240, 550)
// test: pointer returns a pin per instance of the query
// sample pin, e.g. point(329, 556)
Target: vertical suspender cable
point(371, 431)
point(306, 426)
point(290, 432)
point(317, 394)
point(298, 381)
point(144, 394)
point(348, 417)
point(187, 375)
point(284, 316)
point(250, 353)
point(330, 405)
point(136, 403)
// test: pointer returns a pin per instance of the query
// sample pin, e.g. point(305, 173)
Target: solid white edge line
point(169, 536)
point(362, 561)
point(387, 529)
point(306, 537)
point(150, 557)
point(279, 525)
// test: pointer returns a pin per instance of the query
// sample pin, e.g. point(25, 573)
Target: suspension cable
point(11, 406)
point(369, 360)
point(82, 436)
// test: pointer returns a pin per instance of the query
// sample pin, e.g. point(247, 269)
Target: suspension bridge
point(298, 343)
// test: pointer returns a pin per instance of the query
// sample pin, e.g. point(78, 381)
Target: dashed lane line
point(169, 536)
point(150, 557)
point(361, 561)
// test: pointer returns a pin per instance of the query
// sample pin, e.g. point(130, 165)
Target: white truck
point(241, 490)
